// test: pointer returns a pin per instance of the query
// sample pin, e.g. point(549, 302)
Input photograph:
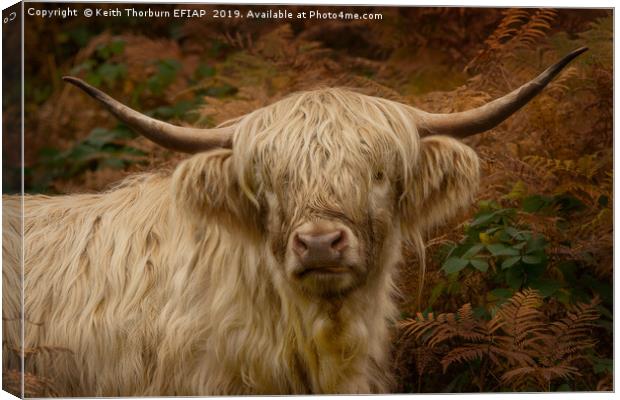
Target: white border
point(479, 3)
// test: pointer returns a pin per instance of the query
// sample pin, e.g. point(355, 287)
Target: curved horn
point(187, 140)
point(466, 123)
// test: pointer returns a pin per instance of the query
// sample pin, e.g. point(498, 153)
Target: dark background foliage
point(518, 288)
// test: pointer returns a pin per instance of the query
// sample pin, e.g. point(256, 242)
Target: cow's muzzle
point(320, 246)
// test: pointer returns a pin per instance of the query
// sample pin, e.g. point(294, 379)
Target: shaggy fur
point(177, 284)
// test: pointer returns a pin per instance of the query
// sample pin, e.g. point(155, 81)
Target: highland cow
point(263, 264)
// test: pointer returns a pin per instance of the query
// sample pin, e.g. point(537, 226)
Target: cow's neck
point(338, 340)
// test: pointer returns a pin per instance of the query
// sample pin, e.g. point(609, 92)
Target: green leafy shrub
point(513, 253)
point(100, 149)
point(101, 68)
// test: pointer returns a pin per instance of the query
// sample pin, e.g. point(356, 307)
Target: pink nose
point(316, 249)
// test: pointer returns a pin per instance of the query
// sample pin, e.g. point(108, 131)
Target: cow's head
point(330, 180)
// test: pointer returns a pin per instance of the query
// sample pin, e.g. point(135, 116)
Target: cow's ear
point(445, 180)
point(206, 190)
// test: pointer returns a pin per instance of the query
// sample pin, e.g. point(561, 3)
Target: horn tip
point(580, 50)
point(79, 83)
point(72, 79)
point(571, 56)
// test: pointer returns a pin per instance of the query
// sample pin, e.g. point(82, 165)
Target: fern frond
point(465, 353)
point(33, 385)
point(543, 376)
point(424, 358)
point(519, 29)
point(585, 166)
point(521, 316)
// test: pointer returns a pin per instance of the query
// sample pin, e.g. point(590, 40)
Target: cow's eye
point(378, 176)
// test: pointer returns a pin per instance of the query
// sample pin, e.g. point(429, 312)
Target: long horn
point(187, 140)
point(466, 123)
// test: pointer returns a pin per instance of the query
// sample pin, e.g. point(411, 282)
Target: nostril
point(299, 245)
point(339, 241)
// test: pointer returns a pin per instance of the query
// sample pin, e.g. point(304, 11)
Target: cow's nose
point(314, 249)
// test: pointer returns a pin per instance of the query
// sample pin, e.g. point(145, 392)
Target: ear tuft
point(206, 189)
point(446, 181)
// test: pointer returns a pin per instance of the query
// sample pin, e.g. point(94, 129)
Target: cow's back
point(11, 282)
point(95, 276)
